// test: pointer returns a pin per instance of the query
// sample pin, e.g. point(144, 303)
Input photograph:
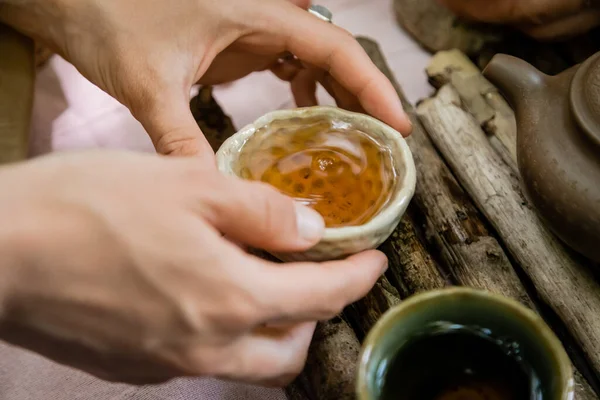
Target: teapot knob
point(585, 97)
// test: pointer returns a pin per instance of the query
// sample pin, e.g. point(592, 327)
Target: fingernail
point(310, 223)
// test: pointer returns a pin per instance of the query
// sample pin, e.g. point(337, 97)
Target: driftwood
point(470, 254)
point(435, 28)
point(479, 97)
point(567, 286)
point(330, 370)
point(214, 123)
point(16, 94)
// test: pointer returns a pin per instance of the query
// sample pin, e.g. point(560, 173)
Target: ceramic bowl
point(539, 347)
point(342, 241)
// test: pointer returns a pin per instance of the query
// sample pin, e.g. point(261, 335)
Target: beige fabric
point(27, 376)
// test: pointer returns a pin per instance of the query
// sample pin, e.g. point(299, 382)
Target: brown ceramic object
point(558, 144)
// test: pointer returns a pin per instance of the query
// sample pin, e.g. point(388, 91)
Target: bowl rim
point(401, 196)
point(526, 315)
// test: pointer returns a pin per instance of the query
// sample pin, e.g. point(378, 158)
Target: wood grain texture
point(330, 370)
point(562, 282)
point(16, 94)
point(479, 97)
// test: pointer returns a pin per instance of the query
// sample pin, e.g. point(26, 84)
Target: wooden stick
point(564, 284)
point(365, 313)
point(331, 366)
point(479, 97)
point(214, 123)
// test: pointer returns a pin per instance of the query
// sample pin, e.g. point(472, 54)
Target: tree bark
point(331, 366)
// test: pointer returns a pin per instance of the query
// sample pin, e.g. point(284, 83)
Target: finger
point(258, 215)
point(343, 98)
point(304, 88)
point(285, 70)
point(269, 356)
point(334, 50)
point(166, 116)
point(313, 291)
point(303, 4)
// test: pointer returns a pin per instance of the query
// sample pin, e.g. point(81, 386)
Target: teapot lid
point(585, 97)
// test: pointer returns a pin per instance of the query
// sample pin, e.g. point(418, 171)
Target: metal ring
point(321, 12)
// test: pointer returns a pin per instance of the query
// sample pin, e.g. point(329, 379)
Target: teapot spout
point(516, 79)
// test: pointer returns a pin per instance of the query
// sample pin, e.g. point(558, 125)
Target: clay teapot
point(558, 144)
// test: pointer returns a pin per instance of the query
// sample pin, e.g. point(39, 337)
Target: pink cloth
point(70, 113)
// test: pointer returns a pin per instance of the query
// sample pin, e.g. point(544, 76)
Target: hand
point(114, 263)
point(149, 53)
point(542, 19)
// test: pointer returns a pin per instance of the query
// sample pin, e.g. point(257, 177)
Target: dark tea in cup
point(462, 344)
point(456, 362)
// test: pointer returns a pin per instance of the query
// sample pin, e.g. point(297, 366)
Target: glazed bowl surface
point(502, 316)
point(338, 242)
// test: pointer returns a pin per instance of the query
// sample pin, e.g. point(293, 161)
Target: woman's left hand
point(149, 53)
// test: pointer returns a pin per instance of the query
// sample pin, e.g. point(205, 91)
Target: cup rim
point(404, 190)
point(565, 368)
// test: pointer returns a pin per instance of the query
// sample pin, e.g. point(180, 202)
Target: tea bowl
point(497, 315)
point(339, 242)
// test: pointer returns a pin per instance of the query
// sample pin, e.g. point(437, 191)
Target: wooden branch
point(454, 227)
point(331, 366)
point(365, 313)
point(16, 94)
point(479, 97)
point(435, 28)
point(565, 285)
point(214, 123)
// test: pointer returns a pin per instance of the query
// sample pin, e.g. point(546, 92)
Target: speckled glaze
point(343, 241)
point(503, 316)
point(558, 144)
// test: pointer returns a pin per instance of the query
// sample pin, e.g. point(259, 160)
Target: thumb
point(256, 214)
point(172, 128)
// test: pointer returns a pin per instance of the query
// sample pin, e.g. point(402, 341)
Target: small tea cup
point(338, 242)
point(503, 317)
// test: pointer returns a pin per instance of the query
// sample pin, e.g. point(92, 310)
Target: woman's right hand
point(541, 19)
point(131, 267)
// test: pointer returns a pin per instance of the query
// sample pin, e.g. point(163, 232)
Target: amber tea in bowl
point(341, 172)
point(356, 171)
